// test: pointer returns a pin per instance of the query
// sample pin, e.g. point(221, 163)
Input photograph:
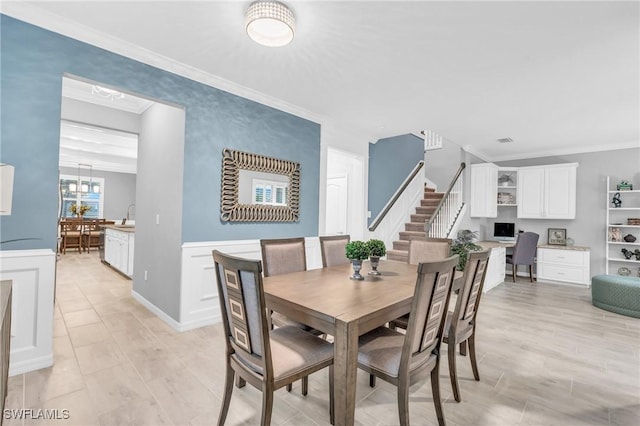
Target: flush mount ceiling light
point(270, 23)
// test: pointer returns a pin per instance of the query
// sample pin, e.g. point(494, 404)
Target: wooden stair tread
point(415, 228)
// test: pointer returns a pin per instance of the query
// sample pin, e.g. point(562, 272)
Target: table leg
point(345, 371)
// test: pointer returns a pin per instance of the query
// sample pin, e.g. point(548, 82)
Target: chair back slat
point(283, 256)
point(333, 250)
point(469, 297)
point(243, 309)
point(429, 308)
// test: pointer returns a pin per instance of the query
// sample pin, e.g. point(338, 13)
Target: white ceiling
point(99, 147)
point(557, 77)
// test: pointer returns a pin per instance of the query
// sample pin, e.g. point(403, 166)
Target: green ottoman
point(617, 294)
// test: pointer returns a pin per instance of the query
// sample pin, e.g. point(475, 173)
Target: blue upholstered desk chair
point(524, 253)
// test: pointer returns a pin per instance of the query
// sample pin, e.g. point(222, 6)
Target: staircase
point(423, 213)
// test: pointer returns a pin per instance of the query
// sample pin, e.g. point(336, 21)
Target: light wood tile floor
point(546, 357)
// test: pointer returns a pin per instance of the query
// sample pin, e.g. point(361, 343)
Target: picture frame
point(556, 236)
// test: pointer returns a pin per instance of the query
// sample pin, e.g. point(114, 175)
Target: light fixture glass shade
point(73, 187)
point(270, 23)
point(84, 188)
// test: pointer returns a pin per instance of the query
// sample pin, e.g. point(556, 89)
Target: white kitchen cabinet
point(547, 192)
point(484, 193)
point(118, 250)
point(563, 264)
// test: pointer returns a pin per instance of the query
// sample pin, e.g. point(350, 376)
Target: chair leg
point(472, 355)
point(531, 272)
point(403, 402)
point(332, 412)
point(372, 380)
point(240, 383)
point(289, 387)
point(305, 385)
point(267, 405)
point(451, 353)
point(513, 272)
point(435, 390)
point(463, 348)
point(226, 399)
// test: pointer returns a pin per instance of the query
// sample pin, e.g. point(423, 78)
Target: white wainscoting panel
point(33, 275)
point(199, 304)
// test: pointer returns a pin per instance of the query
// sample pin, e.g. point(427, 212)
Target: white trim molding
point(199, 303)
point(33, 275)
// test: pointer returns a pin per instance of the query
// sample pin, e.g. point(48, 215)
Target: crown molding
point(52, 22)
point(568, 151)
point(481, 155)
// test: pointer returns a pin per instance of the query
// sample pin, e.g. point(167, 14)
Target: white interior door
point(337, 207)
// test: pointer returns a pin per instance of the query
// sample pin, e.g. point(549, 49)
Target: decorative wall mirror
point(256, 188)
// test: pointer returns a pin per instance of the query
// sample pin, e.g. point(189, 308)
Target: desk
point(497, 262)
point(326, 299)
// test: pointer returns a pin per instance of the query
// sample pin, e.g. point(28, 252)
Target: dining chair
point(71, 234)
point(333, 250)
point(460, 326)
point(403, 359)
point(91, 234)
point(267, 359)
point(284, 256)
point(422, 249)
point(524, 253)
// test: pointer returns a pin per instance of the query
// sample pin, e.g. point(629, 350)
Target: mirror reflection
point(262, 188)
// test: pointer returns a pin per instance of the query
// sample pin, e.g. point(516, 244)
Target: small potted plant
point(462, 245)
point(377, 249)
point(356, 251)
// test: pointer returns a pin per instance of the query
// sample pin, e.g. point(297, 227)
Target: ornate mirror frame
point(230, 208)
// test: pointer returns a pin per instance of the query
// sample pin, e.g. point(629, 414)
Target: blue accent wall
point(33, 63)
point(390, 162)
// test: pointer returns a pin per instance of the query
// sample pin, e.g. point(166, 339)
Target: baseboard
point(159, 312)
point(32, 364)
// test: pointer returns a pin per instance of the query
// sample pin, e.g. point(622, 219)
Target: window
point(82, 190)
point(270, 192)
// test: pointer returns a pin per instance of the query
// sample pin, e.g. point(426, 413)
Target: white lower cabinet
point(564, 264)
point(118, 250)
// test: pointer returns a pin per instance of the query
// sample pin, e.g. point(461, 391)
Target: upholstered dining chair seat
point(381, 349)
point(294, 350)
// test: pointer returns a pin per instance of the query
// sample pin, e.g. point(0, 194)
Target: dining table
point(327, 299)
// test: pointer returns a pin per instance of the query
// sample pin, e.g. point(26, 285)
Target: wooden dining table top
point(329, 293)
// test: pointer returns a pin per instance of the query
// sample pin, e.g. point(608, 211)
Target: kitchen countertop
point(493, 244)
point(121, 228)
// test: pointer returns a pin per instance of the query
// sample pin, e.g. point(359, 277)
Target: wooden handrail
point(427, 225)
point(395, 196)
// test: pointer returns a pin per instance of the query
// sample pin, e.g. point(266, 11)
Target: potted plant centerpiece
point(356, 251)
point(377, 249)
point(463, 244)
